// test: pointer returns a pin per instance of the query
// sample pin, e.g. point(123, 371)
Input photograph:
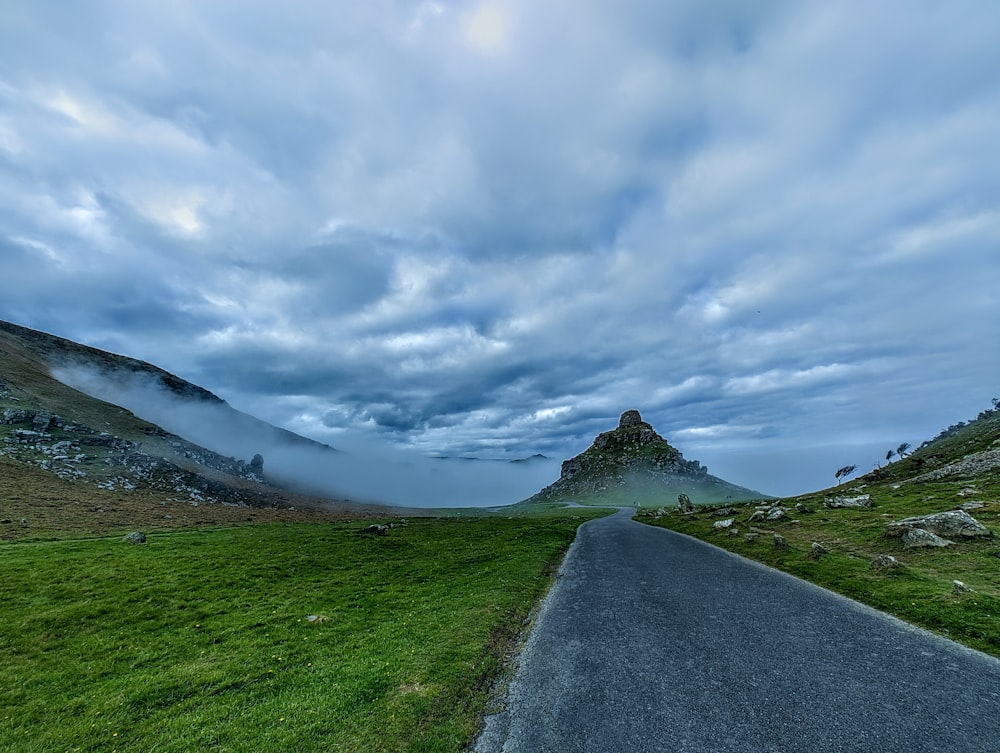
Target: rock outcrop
point(632, 464)
point(955, 524)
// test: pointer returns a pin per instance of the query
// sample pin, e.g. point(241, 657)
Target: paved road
point(651, 641)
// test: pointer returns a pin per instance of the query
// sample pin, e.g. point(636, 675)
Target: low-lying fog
point(361, 471)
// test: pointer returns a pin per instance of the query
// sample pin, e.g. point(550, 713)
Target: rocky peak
point(630, 418)
point(633, 462)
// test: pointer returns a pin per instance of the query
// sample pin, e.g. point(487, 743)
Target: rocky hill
point(631, 465)
point(53, 427)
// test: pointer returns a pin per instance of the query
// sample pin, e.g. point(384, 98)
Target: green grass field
point(199, 640)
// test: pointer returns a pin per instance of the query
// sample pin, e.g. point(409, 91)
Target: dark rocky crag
point(633, 465)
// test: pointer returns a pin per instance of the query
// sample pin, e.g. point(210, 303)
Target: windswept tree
point(901, 450)
point(844, 472)
point(888, 456)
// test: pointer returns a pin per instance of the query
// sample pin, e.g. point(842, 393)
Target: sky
point(486, 229)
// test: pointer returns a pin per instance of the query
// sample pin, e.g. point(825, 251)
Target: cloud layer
point(489, 228)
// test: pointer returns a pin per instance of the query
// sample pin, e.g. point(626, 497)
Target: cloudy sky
point(488, 228)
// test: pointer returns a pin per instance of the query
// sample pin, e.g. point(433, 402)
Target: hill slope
point(74, 436)
point(915, 538)
point(632, 464)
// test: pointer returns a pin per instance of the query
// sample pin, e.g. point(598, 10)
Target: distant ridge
point(633, 465)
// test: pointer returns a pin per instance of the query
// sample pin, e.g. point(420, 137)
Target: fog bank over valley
point(358, 468)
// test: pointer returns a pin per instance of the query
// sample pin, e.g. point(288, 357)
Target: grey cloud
point(756, 223)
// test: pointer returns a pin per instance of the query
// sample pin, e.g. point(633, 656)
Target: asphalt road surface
point(652, 641)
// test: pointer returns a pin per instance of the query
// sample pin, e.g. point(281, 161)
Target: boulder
point(885, 562)
point(958, 588)
point(816, 550)
point(951, 523)
point(41, 421)
point(861, 500)
point(136, 537)
point(780, 542)
point(918, 537)
point(974, 505)
point(721, 525)
point(776, 513)
point(800, 507)
point(16, 416)
point(684, 503)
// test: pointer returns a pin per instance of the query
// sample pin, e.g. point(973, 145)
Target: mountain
point(632, 464)
point(84, 435)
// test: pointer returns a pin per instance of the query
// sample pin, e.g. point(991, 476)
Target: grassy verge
point(199, 640)
point(920, 590)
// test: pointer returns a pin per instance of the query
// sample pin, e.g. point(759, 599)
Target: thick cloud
point(487, 228)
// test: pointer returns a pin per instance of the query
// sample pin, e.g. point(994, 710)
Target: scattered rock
point(316, 618)
point(725, 511)
point(750, 536)
point(733, 532)
point(958, 587)
point(136, 537)
point(974, 505)
point(683, 500)
point(776, 513)
point(816, 550)
point(780, 542)
point(720, 525)
point(967, 492)
point(800, 507)
point(757, 516)
point(376, 530)
point(953, 523)
point(885, 562)
point(918, 537)
point(862, 500)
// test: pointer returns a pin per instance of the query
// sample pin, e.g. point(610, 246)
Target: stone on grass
point(974, 505)
point(800, 507)
point(776, 513)
point(953, 523)
point(918, 537)
point(885, 562)
point(780, 542)
point(816, 550)
point(958, 587)
point(136, 537)
point(376, 530)
point(684, 503)
point(862, 500)
point(720, 525)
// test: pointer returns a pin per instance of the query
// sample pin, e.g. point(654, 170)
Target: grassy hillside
point(48, 426)
point(202, 639)
point(959, 467)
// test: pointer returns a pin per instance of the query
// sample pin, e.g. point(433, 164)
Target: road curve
point(652, 641)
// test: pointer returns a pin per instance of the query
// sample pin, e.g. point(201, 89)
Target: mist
point(357, 469)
